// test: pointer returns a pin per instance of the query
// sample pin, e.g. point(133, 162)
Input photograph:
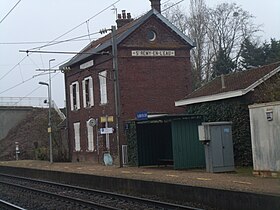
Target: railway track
point(5, 205)
point(39, 194)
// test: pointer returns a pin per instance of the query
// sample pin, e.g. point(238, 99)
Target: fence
point(29, 101)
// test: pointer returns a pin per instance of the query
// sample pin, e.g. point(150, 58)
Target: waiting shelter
point(167, 140)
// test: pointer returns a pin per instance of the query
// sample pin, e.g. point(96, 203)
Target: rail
point(8, 205)
point(86, 197)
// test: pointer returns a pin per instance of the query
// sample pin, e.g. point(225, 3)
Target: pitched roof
point(121, 33)
point(236, 84)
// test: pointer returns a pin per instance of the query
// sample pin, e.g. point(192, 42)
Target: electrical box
point(218, 146)
point(201, 133)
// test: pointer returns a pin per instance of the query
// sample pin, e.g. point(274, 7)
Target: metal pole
point(50, 107)
point(17, 150)
point(116, 90)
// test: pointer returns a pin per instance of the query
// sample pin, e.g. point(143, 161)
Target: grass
point(244, 171)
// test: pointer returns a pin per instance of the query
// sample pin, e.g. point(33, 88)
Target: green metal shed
point(170, 139)
point(188, 152)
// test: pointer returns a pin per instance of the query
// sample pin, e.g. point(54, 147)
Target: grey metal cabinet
point(217, 140)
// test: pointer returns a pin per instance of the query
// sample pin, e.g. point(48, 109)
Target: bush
point(131, 137)
point(41, 153)
point(236, 112)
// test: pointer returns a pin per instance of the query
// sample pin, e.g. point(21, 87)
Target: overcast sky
point(41, 21)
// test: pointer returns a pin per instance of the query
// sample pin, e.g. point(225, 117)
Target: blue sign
point(142, 115)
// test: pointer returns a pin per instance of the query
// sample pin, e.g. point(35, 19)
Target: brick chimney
point(123, 19)
point(155, 4)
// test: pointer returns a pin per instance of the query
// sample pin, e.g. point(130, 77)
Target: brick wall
point(150, 84)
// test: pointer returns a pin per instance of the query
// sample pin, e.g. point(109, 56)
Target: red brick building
point(154, 71)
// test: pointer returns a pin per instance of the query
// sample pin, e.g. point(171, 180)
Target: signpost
point(106, 130)
point(107, 119)
point(17, 150)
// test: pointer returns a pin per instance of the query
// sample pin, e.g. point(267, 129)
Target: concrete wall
point(10, 117)
point(265, 135)
point(208, 197)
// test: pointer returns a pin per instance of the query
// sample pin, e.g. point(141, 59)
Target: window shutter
point(84, 93)
point(78, 96)
point(100, 87)
point(77, 136)
point(103, 87)
point(91, 96)
point(71, 98)
point(90, 138)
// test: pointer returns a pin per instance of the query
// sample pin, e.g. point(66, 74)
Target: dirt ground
point(241, 180)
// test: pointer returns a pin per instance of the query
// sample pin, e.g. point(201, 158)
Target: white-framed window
point(88, 99)
point(74, 96)
point(90, 137)
point(77, 136)
point(103, 87)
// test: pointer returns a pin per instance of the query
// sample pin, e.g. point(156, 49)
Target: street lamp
point(50, 106)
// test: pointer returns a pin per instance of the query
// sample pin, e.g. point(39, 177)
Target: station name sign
point(87, 64)
point(142, 115)
point(153, 53)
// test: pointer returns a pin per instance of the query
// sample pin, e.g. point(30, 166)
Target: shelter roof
point(235, 84)
point(169, 117)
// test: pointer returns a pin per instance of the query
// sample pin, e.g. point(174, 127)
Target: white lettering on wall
point(87, 64)
point(153, 53)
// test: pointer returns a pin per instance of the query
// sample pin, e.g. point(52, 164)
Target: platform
point(242, 180)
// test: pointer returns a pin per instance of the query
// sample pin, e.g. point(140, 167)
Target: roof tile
point(233, 81)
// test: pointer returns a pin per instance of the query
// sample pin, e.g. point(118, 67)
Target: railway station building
point(141, 67)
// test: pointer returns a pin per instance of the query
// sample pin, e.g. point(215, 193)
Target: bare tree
point(223, 28)
point(197, 30)
point(229, 25)
point(194, 25)
point(177, 16)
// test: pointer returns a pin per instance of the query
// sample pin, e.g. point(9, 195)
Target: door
point(217, 146)
point(227, 145)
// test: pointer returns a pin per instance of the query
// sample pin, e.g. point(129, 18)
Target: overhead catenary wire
point(10, 88)
point(24, 81)
point(76, 26)
point(20, 72)
point(22, 98)
point(9, 12)
point(63, 52)
point(57, 42)
point(27, 80)
point(77, 38)
point(40, 42)
point(88, 31)
point(13, 67)
point(32, 61)
point(174, 4)
point(67, 40)
point(50, 42)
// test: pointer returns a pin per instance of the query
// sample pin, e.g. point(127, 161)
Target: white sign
point(87, 64)
point(106, 130)
point(153, 53)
